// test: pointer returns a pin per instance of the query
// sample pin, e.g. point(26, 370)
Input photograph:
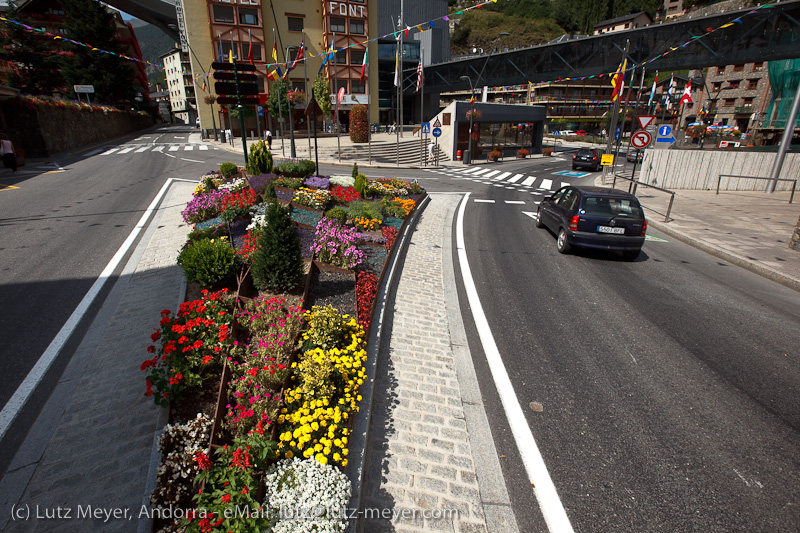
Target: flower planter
point(284, 194)
point(306, 216)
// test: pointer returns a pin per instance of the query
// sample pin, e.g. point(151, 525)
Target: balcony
point(748, 109)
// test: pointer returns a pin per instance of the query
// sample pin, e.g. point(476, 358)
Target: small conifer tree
point(278, 263)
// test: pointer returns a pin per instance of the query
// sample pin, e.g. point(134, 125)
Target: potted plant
point(494, 155)
point(522, 153)
point(547, 151)
point(473, 114)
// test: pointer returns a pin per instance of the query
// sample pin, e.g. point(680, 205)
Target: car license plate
point(607, 229)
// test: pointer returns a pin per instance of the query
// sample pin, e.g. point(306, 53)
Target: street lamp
point(472, 89)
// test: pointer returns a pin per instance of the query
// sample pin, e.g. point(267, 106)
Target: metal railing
point(634, 184)
point(791, 196)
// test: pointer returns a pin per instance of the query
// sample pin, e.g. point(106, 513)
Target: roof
point(612, 22)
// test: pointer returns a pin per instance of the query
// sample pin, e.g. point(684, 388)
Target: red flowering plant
point(344, 195)
point(366, 289)
point(237, 204)
point(228, 499)
point(390, 234)
point(192, 345)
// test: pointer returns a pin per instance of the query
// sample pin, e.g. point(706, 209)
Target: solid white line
point(29, 384)
point(549, 503)
point(529, 180)
point(515, 179)
point(191, 160)
point(478, 200)
point(515, 201)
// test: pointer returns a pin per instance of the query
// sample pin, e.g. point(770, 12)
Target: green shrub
point(309, 167)
point(355, 170)
point(260, 159)
point(278, 263)
point(392, 209)
point(209, 262)
point(361, 185)
point(291, 183)
point(302, 168)
point(337, 213)
point(228, 169)
point(361, 209)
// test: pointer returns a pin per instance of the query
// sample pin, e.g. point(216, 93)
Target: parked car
point(580, 132)
point(564, 133)
point(635, 154)
point(587, 158)
point(594, 217)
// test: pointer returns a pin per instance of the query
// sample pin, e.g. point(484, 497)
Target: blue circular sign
point(663, 131)
point(437, 132)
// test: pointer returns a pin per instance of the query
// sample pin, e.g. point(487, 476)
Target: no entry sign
point(641, 139)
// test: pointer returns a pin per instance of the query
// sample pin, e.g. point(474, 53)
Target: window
point(295, 23)
point(341, 57)
point(733, 84)
point(337, 25)
point(720, 70)
point(292, 53)
point(223, 14)
point(758, 65)
point(729, 102)
point(738, 68)
point(248, 16)
point(568, 200)
point(338, 85)
point(357, 27)
point(753, 84)
point(356, 57)
point(717, 86)
point(357, 87)
point(747, 102)
point(226, 48)
point(299, 86)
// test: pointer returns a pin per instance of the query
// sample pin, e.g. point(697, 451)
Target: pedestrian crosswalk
point(138, 148)
point(536, 186)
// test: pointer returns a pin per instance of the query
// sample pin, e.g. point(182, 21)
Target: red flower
point(203, 462)
point(207, 359)
point(149, 391)
point(156, 335)
point(226, 498)
point(176, 379)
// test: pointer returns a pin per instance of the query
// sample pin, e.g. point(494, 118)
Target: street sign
point(83, 88)
point(645, 120)
point(606, 160)
point(260, 110)
point(437, 124)
point(227, 75)
point(437, 132)
point(231, 100)
point(426, 127)
point(223, 87)
point(641, 139)
point(664, 130)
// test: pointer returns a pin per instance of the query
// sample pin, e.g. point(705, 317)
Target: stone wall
point(794, 244)
point(44, 130)
point(700, 169)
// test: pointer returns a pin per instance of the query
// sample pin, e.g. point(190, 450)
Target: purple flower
point(318, 182)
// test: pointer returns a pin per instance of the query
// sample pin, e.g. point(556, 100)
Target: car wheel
point(561, 244)
point(574, 167)
point(630, 255)
point(539, 223)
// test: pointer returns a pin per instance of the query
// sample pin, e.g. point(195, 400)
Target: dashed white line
point(515, 202)
point(481, 201)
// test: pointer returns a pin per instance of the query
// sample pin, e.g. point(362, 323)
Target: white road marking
point(191, 147)
point(546, 184)
point(515, 179)
point(492, 173)
point(503, 176)
point(563, 183)
point(482, 171)
point(126, 150)
point(549, 503)
point(515, 202)
point(529, 181)
point(471, 170)
point(196, 161)
point(142, 149)
point(174, 148)
point(480, 201)
point(158, 149)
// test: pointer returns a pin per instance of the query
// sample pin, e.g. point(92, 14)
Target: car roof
point(602, 191)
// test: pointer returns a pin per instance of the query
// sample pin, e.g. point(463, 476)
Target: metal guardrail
point(634, 184)
point(791, 196)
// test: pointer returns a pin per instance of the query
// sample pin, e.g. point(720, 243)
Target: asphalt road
point(668, 386)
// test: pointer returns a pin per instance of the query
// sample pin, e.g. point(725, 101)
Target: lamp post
point(472, 89)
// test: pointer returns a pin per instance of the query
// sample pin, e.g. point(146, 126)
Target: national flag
point(364, 65)
point(274, 49)
point(219, 49)
point(325, 59)
point(273, 76)
point(653, 90)
point(618, 81)
point(687, 94)
point(670, 91)
point(230, 55)
point(420, 75)
point(397, 75)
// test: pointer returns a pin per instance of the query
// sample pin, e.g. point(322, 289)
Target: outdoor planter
point(306, 216)
point(522, 154)
point(284, 194)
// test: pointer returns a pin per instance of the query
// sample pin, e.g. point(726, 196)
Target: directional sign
point(231, 100)
point(606, 160)
point(437, 124)
point(426, 127)
point(437, 132)
point(641, 139)
point(224, 87)
point(645, 120)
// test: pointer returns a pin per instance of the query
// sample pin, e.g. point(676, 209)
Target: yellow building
point(211, 26)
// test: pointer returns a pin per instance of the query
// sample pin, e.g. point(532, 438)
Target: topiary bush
point(359, 124)
point(228, 170)
point(277, 265)
point(361, 185)
point(260, 159)
point(210, 262)
point(338, 214)
point(355, 170)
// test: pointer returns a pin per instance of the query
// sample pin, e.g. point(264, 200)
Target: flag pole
point(614, 116)
point(422, 105)
point(369, 101)
point(280, 90)
point(305, 81)
point(336, 90)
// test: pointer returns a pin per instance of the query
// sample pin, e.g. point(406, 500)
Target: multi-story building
point(627, 22)
point(734, 95)
point(180, 86)
point(251, 29)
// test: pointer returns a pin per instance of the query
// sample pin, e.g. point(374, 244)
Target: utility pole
point(786, 140)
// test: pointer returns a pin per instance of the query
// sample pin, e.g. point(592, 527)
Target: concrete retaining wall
point(699, 170)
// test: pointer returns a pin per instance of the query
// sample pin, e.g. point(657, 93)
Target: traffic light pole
point(241, 109)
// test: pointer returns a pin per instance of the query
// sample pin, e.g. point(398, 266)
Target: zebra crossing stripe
point(492, 173)
point(482, 171)
point(142, 149)
point(189, 147)
point(126, 150)
point(515, 178)
point(174, 148)
point(546, 184)
point(158, 149)
point(203, 147)
point(109, 152)
point(471, 170)
point(503, 176)
point(529, 180)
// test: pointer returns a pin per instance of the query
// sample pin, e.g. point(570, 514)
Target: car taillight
point(594, 156)
point(573, 224)
point(644, 228)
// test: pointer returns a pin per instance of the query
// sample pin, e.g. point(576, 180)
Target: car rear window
point(610, 206)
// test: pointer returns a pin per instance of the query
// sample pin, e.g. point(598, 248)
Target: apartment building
point(180, 86)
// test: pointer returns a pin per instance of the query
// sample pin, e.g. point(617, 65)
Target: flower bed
point(284, 377)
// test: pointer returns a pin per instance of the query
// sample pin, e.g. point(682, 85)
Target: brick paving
point(99, 453)
point(419, 460)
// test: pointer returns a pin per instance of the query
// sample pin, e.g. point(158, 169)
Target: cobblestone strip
point(98, 456)
point(420, 465)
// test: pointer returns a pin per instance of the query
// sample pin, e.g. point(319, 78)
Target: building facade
point(627, 22)
point(180, 86)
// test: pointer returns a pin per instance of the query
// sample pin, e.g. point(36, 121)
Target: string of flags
point(431, 24)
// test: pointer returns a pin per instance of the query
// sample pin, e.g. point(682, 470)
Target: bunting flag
point(397, 74)
point(299, 56)
point(325, 59)
point(687, 94)
point(420, 75)
point(618, 81)
point(364, 66)
point(653, 90)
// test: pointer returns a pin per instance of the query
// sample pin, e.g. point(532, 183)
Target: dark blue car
point(594, 217)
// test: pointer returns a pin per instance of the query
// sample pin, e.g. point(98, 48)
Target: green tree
point(87, 21)
point(278, 92)
point(33, 59)
point(322, 94)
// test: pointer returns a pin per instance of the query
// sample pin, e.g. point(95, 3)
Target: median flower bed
point(261, 382)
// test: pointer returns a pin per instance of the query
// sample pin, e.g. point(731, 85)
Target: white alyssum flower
point(258, 212)
point(307, 496)
point(342, 181)
point(234, 185)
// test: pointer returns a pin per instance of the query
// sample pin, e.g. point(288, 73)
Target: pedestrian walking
point(9, 154)
point(269, 139)
point(431, 151)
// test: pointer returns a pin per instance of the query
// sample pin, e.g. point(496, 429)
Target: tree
point(278, 92)
point(87, 21)
point(322, 94)
point(32, 58)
